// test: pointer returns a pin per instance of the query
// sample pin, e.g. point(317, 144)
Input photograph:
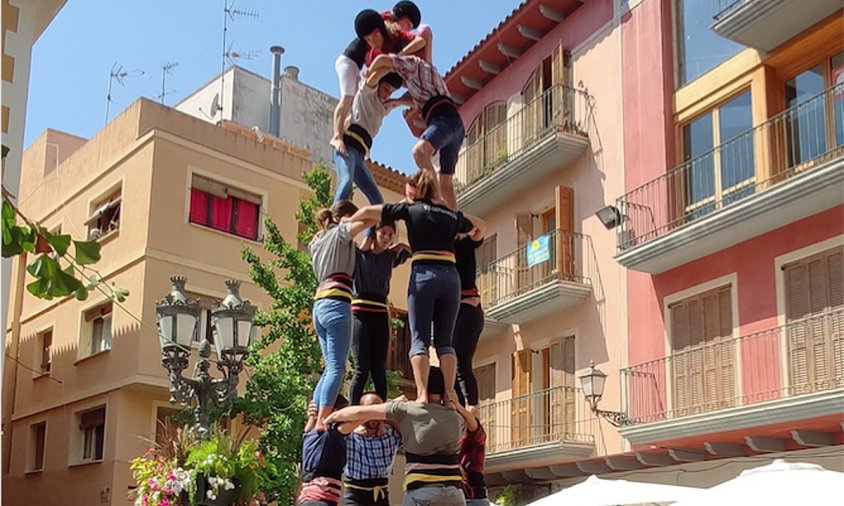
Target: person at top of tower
point(370, 105)
point(370, 452)
point(409, 18)
point(434, 285)
point(333, 256)
point(371, 326)
point(431, 434)
point(372, 31)
point(428, 95)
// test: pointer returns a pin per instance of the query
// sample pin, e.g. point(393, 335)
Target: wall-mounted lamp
point(610, 216)
point(593, 389)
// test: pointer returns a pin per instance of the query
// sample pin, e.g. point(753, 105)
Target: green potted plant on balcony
point(182, 470)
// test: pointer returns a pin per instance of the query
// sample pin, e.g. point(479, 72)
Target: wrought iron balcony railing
point(559, 255)
point(798, 358)
point(558, 414)
point(558, 109)
point(788, 144)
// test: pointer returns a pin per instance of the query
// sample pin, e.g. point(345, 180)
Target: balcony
point(766, 24)
point(541, 277)
point(783, 374)
point(547, 133)
point(539, 429)
point(788, 168)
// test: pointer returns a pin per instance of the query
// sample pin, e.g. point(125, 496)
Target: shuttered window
point(560, 409)
point(522, 362)
point(485, 376)
point(703, 359)
point(815, 312)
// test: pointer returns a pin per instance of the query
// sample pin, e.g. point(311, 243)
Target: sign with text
point(538, 251)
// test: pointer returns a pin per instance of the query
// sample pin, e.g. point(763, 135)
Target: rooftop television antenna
point(230, 12)
point(118, 73)
point(166, 68)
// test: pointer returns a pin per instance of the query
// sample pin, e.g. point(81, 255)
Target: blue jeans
point(352, 169)
point(333, 324)
point(433, 296)
point(446, 134)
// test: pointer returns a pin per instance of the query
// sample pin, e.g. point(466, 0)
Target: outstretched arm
point(312, 417)
point(356, 415)
point(414, 45)
point(471, 421)
point(381, 66)
point(368, 214)
point(479, 230)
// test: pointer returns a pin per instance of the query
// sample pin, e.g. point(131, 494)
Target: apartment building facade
point(731, 229)
point(169, 195)
point(542, 154)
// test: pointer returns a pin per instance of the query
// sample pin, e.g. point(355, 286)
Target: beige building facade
point(88, 384)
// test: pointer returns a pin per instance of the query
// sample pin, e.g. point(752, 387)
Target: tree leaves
point(50, 280)
point(87, 252)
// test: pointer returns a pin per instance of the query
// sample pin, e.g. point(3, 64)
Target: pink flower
point(164, 502)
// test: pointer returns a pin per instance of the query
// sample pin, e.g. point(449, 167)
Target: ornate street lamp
point(232, 320)
point(593, 389)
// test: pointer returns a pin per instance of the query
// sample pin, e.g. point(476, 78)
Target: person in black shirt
point(434, 287)
point(470, 316)
point(371, 329)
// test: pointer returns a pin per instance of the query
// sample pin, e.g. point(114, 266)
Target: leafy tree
point(55, 271)
point(282, 378)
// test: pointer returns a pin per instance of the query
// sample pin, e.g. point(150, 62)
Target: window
point(92, 434)
point(224, 208)
point(703, 357)
point(545, 102)
point(105, 216)
point(37, 444)
point(815, 313)
point(45, 345)
point(837, 80)
point(699, 48)
point(485, 255)
point(718, 151)
point(485, 376)
point(486, 140)
point(98, 323)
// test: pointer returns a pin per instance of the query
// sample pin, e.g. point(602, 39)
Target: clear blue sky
point(72, 59)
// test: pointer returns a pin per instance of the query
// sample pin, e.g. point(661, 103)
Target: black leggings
point(370, 342)
point(467, 331)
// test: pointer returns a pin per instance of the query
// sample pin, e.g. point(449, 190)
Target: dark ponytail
point(325, 217)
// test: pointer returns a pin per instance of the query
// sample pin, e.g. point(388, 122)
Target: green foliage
point(286, 360)
point(55, 272)
point(507, 497)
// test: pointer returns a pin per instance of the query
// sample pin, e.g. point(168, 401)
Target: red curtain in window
point(247, 219)
point(221, 213)
point(198, 206)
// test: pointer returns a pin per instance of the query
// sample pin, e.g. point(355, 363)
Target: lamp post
point(593, 389)
point(233, 333)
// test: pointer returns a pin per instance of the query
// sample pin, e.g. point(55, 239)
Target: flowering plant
point(184, 470)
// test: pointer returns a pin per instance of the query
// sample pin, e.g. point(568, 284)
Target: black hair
point(436, 382)
point(392, 78)
point(408, 9)
point(368, 20)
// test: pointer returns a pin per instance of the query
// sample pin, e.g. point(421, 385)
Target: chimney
point(275, 91)
point(291, 72)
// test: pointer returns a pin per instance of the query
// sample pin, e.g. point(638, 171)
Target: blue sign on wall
point(538, 251)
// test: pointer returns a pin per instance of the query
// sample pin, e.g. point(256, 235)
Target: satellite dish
point(215, 105)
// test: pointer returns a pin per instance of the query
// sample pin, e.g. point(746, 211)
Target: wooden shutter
point(484, 256)
point(815, 314)
point(563, 397)
point(520, 432)
point(703, 369)
point(521, 275)
point(485, 376)
point(565, 245)
point(495, 139)
point(531, 113)
point(474, 149)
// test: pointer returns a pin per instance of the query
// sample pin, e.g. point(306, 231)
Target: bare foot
point(338, 144)
point(422, 396)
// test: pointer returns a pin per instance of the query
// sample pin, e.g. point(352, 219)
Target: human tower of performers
point(353, 447)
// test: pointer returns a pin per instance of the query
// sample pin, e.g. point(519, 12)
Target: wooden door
point(520, 427)
point(564, 241)
point(488, 410)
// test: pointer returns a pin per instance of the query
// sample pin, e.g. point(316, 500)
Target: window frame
point(43, 351)
point(33, 457)
point(207, 184)
point(86, 346)
point(86, 444)
point(110, 203)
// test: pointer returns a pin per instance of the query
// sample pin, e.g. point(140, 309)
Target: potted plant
point(183, 470)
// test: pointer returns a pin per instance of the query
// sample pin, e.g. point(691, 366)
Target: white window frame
point(86, 330)
point(31, 457)
point(80, 440)
point(263, 194)
point(97, 207)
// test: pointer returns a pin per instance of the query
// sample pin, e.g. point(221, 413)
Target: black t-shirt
point(429, 226)
point(356, 51)
point(464, 253)
point(373, 271)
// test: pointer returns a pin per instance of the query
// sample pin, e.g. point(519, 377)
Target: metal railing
point(539, 417)
point(795, 359)
point(790, 143)
point(559, 255)
point(560, 108)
